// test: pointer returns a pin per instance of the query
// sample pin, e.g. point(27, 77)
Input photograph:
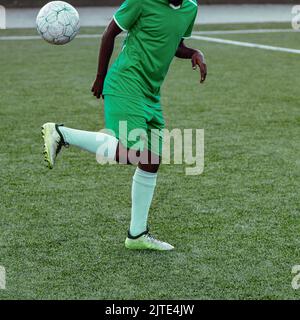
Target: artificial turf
point(235, 228)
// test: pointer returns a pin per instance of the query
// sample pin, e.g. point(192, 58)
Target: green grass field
point(236, 227)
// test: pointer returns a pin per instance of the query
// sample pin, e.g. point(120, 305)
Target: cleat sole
point(46, 152)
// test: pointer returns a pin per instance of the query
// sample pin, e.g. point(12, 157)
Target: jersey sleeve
point(189, 31)
point(128, 14)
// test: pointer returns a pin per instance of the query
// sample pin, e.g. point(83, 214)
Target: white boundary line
point(19, 38)
point(216, 32)
point(245, 31)
point(196, 36)
point(246, 44)
point(22, 38)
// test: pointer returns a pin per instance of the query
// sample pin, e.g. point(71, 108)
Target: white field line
point(13, 38)
point(20, 38)
point(245, 31)
point(215, 32)
point(246, 44)
point(196, 36)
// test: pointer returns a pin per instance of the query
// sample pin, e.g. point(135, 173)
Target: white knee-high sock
point(143, 187)
point(95, 142)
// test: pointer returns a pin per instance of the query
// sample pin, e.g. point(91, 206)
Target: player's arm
point(106, 50)
point(196, 56)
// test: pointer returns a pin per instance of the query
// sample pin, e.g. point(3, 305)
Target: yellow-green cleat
point(53, 142)
point(146, 242)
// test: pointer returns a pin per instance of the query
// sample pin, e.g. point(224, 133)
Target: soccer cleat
point(53, 142)
point(146, 241)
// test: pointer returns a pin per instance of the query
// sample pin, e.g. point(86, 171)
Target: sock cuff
point(145, 173)
point(61, 131)
point(145, 178)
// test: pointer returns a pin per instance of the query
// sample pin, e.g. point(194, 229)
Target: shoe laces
point(152, 238)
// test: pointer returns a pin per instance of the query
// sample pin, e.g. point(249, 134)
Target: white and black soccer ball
point(58, 22)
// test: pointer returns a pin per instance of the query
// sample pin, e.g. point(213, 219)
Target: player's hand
point(97, 88)
point(198, 60)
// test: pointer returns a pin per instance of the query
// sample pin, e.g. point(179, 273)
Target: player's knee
point(152, 168)
point(127, 156)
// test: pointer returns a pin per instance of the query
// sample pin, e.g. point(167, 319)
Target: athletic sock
point(142, 194)
point(95, 142)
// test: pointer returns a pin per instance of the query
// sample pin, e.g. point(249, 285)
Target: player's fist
point(199, 60)
point(97, 88)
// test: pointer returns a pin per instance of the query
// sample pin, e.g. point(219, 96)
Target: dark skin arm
point(106, 50)
point(123, 155)
point(196, 56)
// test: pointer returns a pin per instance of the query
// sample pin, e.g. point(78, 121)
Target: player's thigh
point(126, 119)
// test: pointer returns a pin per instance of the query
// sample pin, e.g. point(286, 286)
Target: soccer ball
point(58, 22)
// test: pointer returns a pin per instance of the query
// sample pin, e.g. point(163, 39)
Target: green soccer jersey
point(155, 30)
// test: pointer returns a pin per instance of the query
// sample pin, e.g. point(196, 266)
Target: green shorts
point(136, 123)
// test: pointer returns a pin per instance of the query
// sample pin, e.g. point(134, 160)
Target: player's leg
point(105, 145)
point(56, 136)
point(132, 149)
point(143, 187)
